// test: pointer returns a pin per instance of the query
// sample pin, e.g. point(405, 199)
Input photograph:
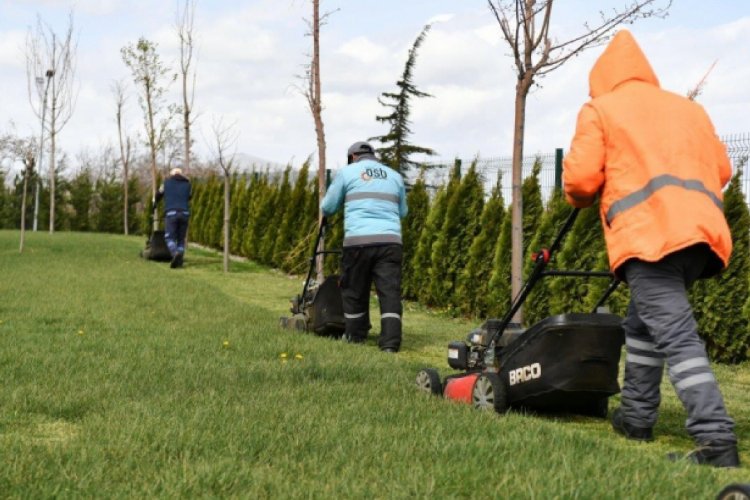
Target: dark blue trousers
point(175, 230)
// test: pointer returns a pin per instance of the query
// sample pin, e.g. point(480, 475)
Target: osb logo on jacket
point(654, 158)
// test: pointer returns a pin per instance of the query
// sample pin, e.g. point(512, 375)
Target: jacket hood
point(621, 61)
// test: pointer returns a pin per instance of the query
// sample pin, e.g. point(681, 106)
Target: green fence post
point(558, 168)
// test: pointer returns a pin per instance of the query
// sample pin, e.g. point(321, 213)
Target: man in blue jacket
point(374, 201)
point(176, 192)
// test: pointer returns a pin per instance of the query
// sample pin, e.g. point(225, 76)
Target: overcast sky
point(250, 53)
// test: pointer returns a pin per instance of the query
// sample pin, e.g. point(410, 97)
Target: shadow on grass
point(210, 260)
point(419, 342)
point(202, 261)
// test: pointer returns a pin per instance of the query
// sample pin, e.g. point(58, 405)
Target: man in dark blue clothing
point(176, 192)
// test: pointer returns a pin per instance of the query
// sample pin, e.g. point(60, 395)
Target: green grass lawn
point(124, 378)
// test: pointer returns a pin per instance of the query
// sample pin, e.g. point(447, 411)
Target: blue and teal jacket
point(374, 201)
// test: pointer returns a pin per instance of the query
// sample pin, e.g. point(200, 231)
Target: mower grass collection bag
point(326, 310)
point(319, 308)
point(567, 362)
point(156, 248)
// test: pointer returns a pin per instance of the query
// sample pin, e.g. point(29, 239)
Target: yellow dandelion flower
point(283, 355)
point(298, 356)
point(225, 344)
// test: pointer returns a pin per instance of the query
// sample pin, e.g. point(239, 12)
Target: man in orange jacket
point(654, 159)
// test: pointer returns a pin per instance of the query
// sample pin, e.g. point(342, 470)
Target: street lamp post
point(39, 82)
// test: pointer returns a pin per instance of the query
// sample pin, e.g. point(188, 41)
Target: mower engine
point(470, 354)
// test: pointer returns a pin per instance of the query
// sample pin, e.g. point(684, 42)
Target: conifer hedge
point(457, 248)
point(720, 303)
point(473, 283)
point(418, 201)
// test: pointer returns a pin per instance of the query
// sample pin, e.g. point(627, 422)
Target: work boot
point(630, 431)
point(176, 260)
point(715, 455)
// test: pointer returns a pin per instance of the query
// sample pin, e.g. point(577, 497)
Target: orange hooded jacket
point(654, 158)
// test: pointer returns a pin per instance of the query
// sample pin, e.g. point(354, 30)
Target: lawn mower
point(319, 308)
point(564, 363)
point(156, 247)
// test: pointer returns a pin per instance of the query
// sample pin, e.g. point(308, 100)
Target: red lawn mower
point(564, 363)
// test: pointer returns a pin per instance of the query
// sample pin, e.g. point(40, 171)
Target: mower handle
point(540, 262)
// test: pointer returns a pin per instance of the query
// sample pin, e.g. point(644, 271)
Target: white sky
point(249, 53)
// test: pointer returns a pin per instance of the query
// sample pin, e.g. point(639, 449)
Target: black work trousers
point(361, 266)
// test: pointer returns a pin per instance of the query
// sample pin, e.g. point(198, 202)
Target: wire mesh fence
point(738, 149)
point(494, 170)
point(437, 173)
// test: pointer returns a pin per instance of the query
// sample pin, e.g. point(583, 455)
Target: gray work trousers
point(660, 326)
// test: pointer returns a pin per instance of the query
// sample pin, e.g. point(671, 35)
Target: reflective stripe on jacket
point(374, 202)
point(654, 158)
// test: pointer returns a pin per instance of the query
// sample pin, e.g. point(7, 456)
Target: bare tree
point(525, 26)
point(54, 57)
point(42, 82)
point(17, 149)
point(312, 93)
point(149, 73)
point(225, 148)
point(118, 89)
point(28, 163)
point(185, 23)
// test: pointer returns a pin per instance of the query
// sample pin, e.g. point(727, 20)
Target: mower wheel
point(489, 392)
point(300, 325)
point(735, 492)
point(428, 380)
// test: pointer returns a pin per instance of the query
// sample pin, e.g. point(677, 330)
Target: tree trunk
point(126, 179)
point(226, 222)
point(319, 131)
point(186, 126)
point(519, 124)
point(152, 147)
point(36, 202)
point(52, 140)
point(125, 158)
point(23, 208)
